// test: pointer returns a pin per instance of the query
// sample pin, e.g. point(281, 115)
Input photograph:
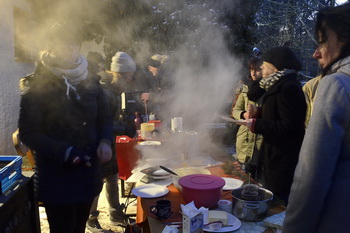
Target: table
point(149, 222)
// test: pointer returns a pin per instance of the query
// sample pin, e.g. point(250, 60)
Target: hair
point(338, 20)
point(255, 63)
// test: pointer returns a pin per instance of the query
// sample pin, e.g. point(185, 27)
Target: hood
point(342, 66)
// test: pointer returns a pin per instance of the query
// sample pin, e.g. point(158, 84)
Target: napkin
point(191, 210)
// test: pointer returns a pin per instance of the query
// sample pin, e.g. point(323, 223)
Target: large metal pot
point(251, 211)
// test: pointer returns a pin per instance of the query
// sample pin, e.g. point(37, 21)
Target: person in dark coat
point(64, 118)
point(280, 119)
point(110, 168)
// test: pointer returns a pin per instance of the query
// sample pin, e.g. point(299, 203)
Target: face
point(69, 52)
point(267, 69)
point(328, 50)
point(255, 73)
point(153, 70)
point(101, 66)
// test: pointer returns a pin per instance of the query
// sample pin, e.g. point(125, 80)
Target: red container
point(204, 190)
point(127, 156)
point(157, 123)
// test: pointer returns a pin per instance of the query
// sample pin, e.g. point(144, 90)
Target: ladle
point(168, 170)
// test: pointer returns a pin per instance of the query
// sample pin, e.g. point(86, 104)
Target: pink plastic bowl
point(204, 190)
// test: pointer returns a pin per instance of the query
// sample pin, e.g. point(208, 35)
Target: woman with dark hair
point(319, 200)
point(247, 143)
point(280, 119)
point(65, 119)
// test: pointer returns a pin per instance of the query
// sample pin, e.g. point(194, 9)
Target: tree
point(290, 22)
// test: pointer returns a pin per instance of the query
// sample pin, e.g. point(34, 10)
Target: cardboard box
point(10, 171)
point(192, 225)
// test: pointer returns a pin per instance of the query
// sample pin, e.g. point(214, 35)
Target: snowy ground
point(103, 217)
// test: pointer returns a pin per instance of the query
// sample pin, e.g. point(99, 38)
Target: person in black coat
point(280, 119)
point(64, 118)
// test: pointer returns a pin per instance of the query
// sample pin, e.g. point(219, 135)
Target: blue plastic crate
point(10, 171)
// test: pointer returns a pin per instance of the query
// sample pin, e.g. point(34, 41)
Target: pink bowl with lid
point(204, 190)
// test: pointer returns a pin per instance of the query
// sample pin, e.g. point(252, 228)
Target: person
point(160, 66)
point(247, 143)
point(65, 119)
point(115, 81)
point(280, 120)
point(310, 89)
point(110, 168)
point(321, 188)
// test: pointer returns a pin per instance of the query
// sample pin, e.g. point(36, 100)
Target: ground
point(103, 217)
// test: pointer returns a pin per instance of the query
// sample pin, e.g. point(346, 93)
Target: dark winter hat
point(94, 57)
point(155, 60)
point(282, 58)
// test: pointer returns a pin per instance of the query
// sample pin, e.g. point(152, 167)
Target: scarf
point(71, 73)
point(268, 82)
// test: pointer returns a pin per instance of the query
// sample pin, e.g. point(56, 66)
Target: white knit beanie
point(122, 62)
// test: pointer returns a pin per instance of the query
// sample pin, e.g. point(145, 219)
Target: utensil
point(230, 119)
point(184, 171)
point(233, 223)
point(251, 210)
point(168, 170)
point(162, 209)
point(204, 190)
point(150, 191)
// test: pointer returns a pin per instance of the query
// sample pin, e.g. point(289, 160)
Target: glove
point(78, 157)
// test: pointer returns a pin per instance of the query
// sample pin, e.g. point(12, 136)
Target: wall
point(10, 73)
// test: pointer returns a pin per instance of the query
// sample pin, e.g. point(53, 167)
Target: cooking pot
point(204, 190)
point(184, 171)
point(251, 210)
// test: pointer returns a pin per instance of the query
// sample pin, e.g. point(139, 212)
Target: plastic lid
point(202, 182)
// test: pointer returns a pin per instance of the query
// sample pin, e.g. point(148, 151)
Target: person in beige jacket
point(247, 143)
point(310, 89)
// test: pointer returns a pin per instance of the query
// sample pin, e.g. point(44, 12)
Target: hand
point(104, 151)
point(246, 115)
point(79, 157)
point(145, 97)
point(247, 123)
point(253, 111)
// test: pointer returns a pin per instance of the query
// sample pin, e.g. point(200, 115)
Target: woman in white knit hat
point(122, 69)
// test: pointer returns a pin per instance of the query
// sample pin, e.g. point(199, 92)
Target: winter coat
point(310, 89)
point(50, 122)
point(113, 99)
point(282, 126)
point(247, 143)
point(319, 200)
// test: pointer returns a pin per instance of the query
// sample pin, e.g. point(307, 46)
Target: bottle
point(138, 120)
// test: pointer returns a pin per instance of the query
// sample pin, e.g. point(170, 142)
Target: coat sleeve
point(318, 157)
point(239, 107)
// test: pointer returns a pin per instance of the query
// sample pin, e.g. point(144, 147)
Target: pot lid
point(201, 181)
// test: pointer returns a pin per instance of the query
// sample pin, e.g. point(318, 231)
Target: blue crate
point(10, 171)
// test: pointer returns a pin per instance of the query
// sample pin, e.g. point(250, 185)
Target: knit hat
point(94, 57)
point(282, 58)
point(155, 60)
point(122, 62)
